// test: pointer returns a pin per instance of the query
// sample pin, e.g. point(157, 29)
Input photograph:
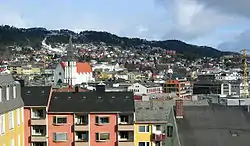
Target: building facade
point(11, 113)
point(97, 118)
point(36, 121)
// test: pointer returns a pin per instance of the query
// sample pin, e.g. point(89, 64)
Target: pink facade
point(61, 128)
point(105, 128)
point(27, 118)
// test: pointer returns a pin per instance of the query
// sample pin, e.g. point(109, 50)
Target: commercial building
point(11, 112)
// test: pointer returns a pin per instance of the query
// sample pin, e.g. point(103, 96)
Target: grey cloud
point(240, 42)
point(238, 7)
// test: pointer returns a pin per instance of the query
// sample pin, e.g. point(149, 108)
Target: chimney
point(76, 89)
point(179, 108)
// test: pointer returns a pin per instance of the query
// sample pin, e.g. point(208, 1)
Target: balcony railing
point(125, 127)
point(81, 143)
point(126, 143)
point(37, 121)
point(38, 138)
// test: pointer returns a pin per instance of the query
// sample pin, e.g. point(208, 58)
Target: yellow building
point(151, 122)
point(11, 113)
point(12, 128)
point(143, 134)
point(25, 70)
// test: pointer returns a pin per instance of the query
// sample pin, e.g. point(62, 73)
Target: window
point(22, 113)
point(101, 120)
point(12, 143)
point(60, 136)
point(158, 127)
point(14, 91)
point(11, 120)
point(102, 136)
point(81, 120)
point(1, 94)
point(7, 93)
point(143, 144)
point(169, 131)
point(18, 117)
point(143, 128)
point(2, 124)
point(59, 120)
point(19, 140)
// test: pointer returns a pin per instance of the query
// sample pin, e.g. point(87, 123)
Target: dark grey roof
point(92, 102)
point(214, 126)
point(36, 95)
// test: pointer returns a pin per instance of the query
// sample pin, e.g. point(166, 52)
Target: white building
point(228, 76)
point(73, 73)
point(107, 67)
point(145, 88)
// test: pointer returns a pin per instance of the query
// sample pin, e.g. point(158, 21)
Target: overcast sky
point(224, 24)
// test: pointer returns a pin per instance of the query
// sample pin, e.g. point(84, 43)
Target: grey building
point(10, 94)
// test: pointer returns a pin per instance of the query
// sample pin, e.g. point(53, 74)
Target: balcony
point(125, 143)
point(38, 116)
point(38, 134)
point(122, 127)
point(158, 137)
point(81, 143)
point(81, 123)
point(125, 138)
point(36, 138)
point(39, 144)
point(37, 121)
point(126, 122)
point(81, 138)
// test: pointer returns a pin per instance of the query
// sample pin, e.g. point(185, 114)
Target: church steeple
point(70, 50)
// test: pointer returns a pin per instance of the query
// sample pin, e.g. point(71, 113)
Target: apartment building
point(35, 100)
point(151, 125)
point(182, 87)
point(91, 118)
point(11, 112)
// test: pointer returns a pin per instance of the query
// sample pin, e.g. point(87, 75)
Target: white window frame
point(99, 119)
point(2, 124)
point(11, 120)
point(18, 117)
point(146, 143)
point(1, 94)
point(22, 113)
point(146, 127)
point(55, 134)
point(7, 93)
point(99, 135)
point(19, 140)
point(14, 91)
point(56, 123)
point(12, 142)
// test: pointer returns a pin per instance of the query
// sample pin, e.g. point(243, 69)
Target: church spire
point(70, 49)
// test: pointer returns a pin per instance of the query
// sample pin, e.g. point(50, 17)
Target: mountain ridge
point(33, 37)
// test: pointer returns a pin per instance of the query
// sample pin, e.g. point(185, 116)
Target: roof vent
point(99, 97)
point(55, 97)
point(42, 92)
point(127, 97)
point(113, 97)
point(69, 97)
point(84, 97)
point(28, 92)
point(234, 133)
